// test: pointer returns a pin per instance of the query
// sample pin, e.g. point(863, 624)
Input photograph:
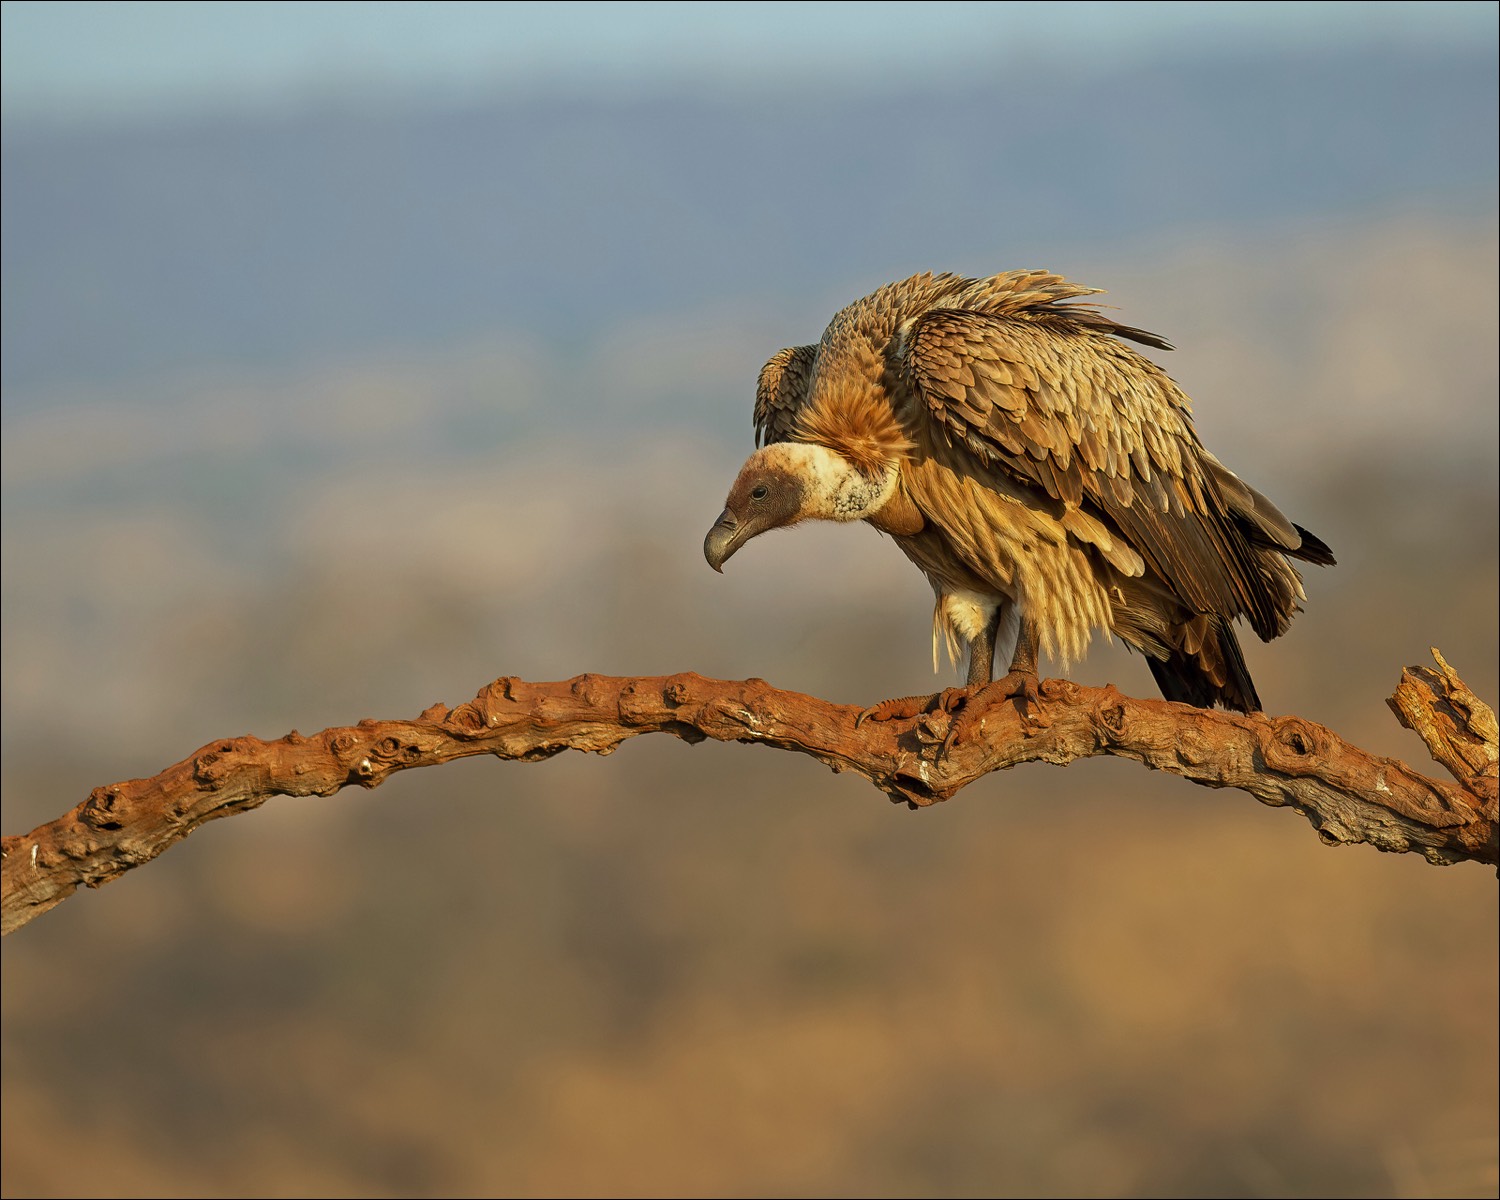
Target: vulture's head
point(788, 482)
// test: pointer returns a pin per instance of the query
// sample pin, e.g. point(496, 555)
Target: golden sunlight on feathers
point(854, 423)
point(1044, 475)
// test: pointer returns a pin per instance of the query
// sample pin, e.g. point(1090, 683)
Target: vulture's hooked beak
point(723, 540)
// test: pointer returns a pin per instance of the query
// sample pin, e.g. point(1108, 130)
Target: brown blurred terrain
point(719, 970)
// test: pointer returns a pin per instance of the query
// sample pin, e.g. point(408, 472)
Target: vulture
point(1042, 473)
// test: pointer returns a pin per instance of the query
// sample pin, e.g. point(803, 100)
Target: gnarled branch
point(1348, 795)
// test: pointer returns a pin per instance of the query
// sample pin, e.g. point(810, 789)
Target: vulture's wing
point(1063, 407)
point(781, 393)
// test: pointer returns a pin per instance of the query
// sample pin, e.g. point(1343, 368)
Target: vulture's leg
point(982, 651)
point(949, 700)
point(1021, 682)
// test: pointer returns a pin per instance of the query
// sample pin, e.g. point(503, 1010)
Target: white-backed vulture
point(1045, 476)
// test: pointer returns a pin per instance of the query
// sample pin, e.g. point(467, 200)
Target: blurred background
point(357, 354)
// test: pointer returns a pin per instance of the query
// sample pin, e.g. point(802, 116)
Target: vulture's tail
point(1206, 668)
point(1313, 549)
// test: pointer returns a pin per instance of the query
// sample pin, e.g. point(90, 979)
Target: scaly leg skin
point(903, 708)
point(982, 652)
point(1021, 682)
point(949, 700)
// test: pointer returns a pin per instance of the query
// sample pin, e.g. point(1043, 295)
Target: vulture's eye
point(758, 492)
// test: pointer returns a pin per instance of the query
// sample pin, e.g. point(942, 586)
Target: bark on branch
point(1348, 795)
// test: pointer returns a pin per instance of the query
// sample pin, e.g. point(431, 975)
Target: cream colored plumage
point(1044, 475)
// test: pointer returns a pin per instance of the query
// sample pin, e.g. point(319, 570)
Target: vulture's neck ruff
point(833, 489)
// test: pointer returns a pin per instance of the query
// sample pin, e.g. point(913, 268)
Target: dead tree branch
point(1348, 795)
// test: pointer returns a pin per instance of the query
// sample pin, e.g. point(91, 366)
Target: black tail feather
point(1188, 679)
point(1313, 549)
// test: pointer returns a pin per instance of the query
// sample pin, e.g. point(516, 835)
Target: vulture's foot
point(1024, 687)
point(904, 708)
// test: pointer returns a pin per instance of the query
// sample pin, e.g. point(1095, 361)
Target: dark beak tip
point(720, 544)
point(713, 553)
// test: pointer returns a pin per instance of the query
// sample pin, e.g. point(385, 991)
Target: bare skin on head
point(764, 497)
point(785, 483)
point(1043, 475)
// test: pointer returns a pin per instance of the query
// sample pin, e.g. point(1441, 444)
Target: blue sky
point(86, 60)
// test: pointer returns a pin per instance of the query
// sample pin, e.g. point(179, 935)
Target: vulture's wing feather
point(1059, 405)
point(781, 393)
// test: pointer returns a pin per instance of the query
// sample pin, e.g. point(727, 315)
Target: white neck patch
point(835, 490)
